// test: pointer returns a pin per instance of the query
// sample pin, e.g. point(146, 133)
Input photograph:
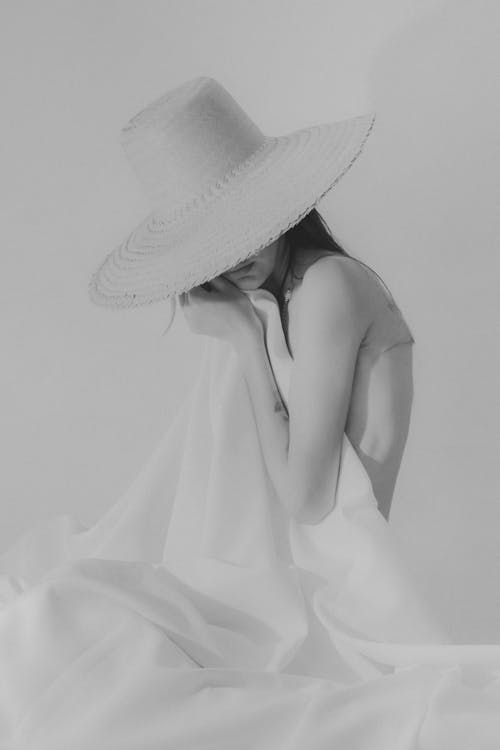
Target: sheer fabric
point(196, 614)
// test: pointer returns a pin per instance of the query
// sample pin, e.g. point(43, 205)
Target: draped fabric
point(197, 615)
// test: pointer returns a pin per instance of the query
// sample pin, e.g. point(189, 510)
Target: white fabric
point(195, 614)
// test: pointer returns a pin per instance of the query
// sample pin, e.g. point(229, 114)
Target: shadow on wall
point(434, 193)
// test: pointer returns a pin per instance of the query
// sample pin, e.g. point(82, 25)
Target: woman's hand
point(224, 312)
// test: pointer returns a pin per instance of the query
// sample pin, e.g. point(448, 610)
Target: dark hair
point(310, 233)
point(312, 230)
point(313, 233)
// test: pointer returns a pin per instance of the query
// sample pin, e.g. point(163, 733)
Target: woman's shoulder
point(359, 289)
point(332, 274)
point(334, 283)
point(334, 264)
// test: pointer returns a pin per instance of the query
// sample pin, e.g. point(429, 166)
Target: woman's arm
point(302, 448)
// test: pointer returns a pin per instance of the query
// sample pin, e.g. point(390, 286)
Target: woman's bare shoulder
point(331, 276)
point(328, 290)
point(344, 266)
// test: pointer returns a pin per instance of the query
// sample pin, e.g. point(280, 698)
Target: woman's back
point(382, 394)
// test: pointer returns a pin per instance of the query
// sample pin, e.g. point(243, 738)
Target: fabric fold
point(196, 613)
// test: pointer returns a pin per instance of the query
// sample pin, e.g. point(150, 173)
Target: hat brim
point(239, 216)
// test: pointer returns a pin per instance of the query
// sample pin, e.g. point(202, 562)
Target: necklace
point(284, 296)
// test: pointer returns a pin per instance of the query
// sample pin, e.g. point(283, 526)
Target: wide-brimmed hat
point(220, 190)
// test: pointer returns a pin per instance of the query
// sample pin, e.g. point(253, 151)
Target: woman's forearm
point(270, 414)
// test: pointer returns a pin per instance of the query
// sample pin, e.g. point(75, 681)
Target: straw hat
point(220, 190)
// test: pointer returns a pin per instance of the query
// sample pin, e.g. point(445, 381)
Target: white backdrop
point(87, 393)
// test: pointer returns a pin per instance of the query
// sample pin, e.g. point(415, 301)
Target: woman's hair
point(310, 233)
point(313, 233)
point(313, 229)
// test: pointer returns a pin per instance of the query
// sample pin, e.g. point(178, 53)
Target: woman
point(352, 364)
point(245, 591)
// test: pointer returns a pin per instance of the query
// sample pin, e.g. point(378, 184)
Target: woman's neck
point(275, 280)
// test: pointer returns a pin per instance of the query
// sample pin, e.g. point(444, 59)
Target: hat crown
point(187, 140)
